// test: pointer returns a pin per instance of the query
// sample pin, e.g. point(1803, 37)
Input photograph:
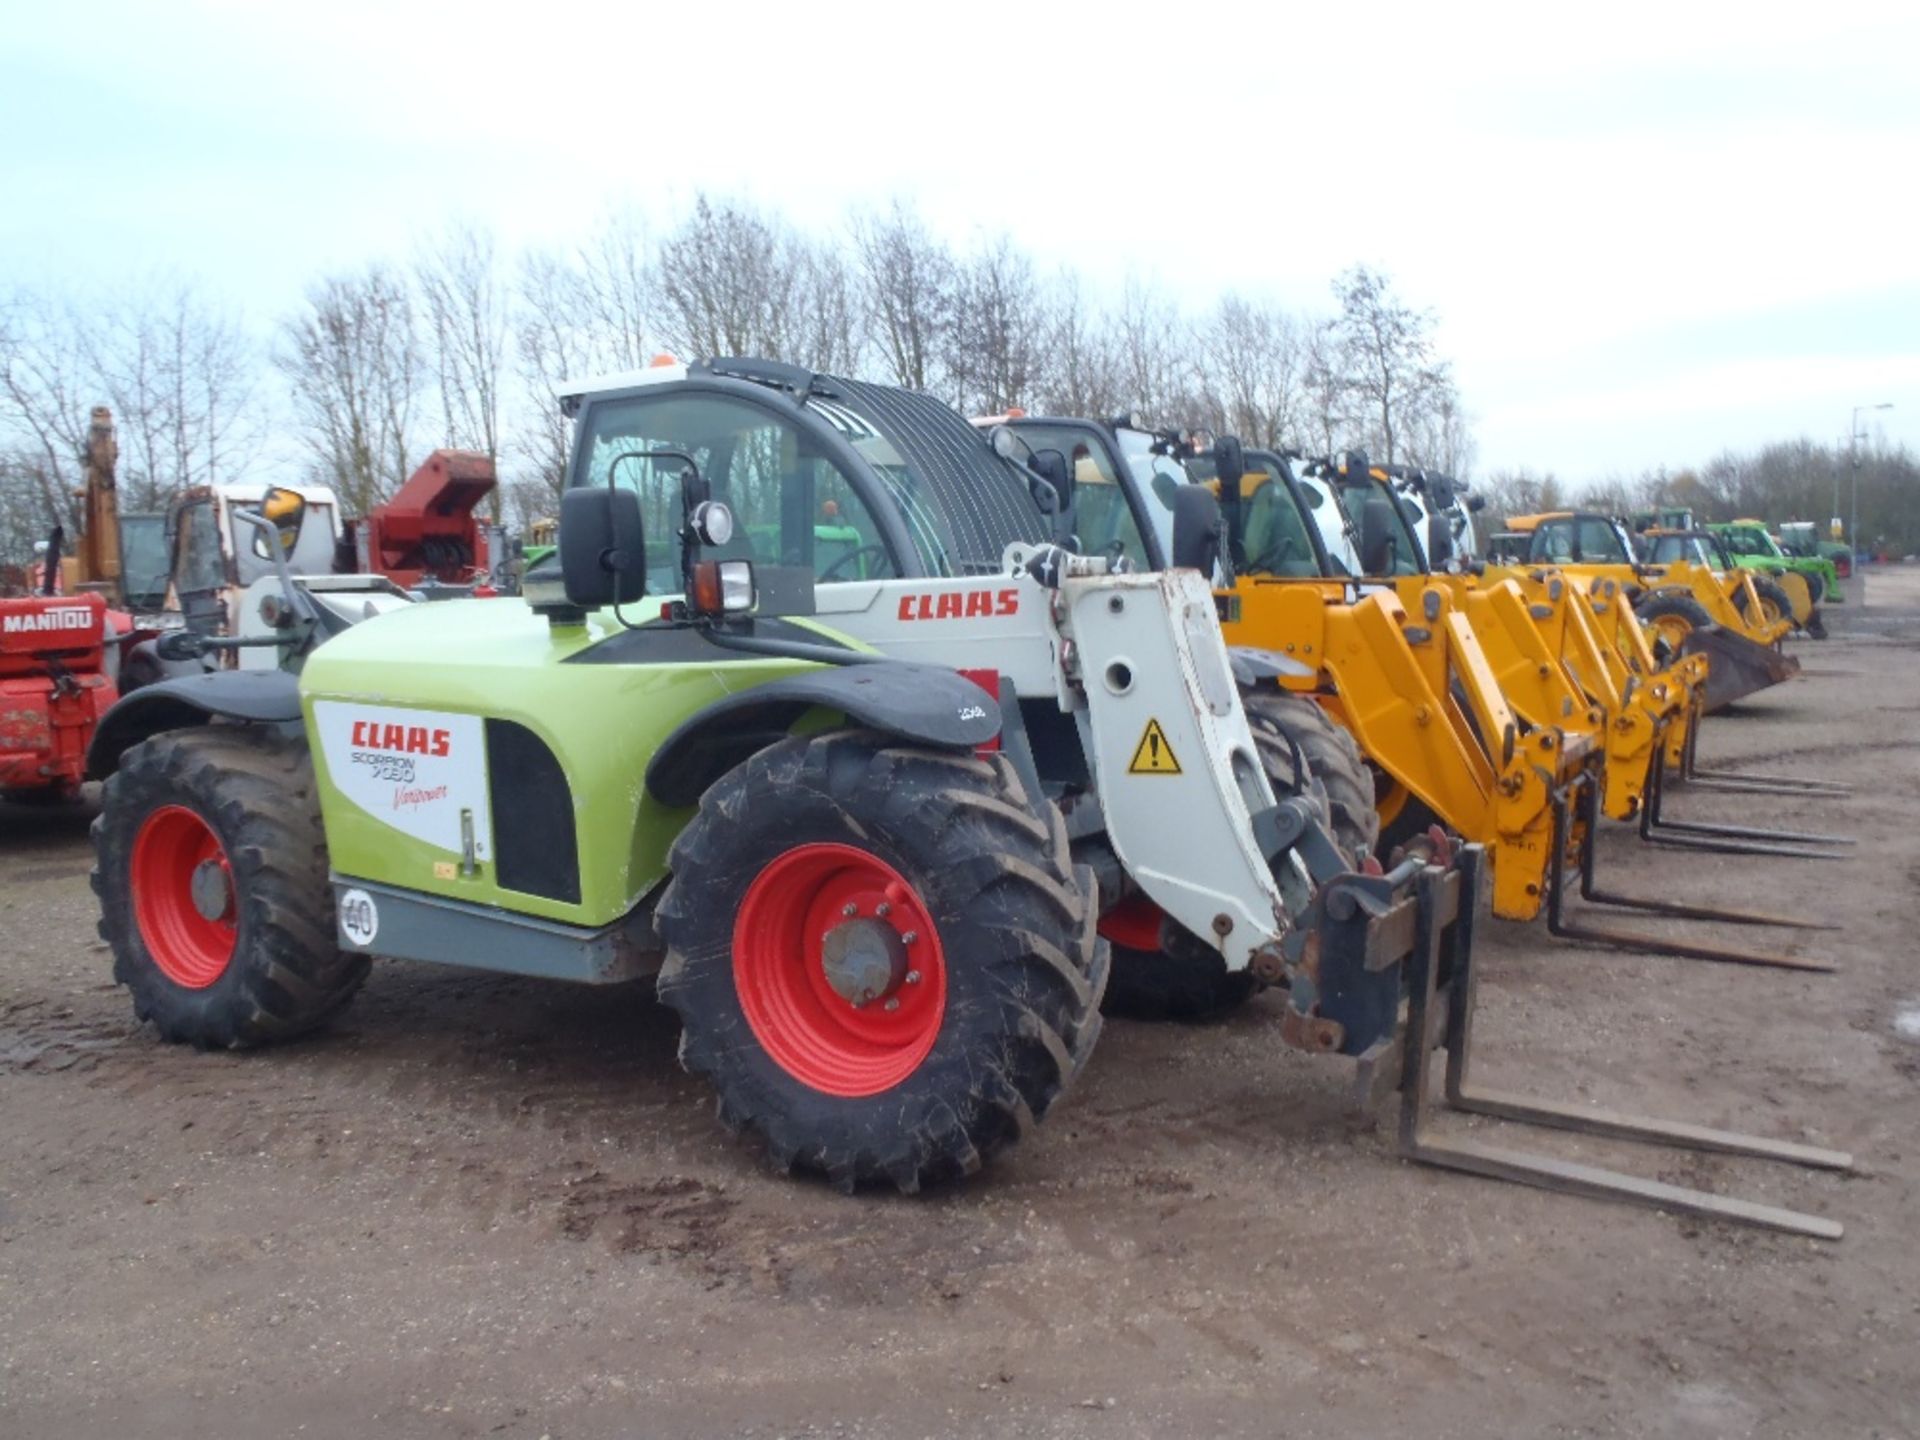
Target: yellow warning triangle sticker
point(1153, 755)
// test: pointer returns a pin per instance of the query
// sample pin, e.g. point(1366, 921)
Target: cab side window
point(1273, 532)
point(792, 506)
point(1599, 543)
point(1553, 542)
point(201, 565)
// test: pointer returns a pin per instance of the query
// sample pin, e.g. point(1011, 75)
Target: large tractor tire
point(1775, 604)
point(1672, 616)
point(1335, 768)
point(883, 957)
point(211, 867)
point(1163, 973)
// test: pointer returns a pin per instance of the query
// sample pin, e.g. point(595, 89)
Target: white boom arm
point(1139, 662)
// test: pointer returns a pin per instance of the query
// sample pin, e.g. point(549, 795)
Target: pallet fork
point(1579, 803)
point(1439, 1014)
point(1745, 781)
point(1656, 828)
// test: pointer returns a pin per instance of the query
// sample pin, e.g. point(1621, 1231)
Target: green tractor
point(1753, 548)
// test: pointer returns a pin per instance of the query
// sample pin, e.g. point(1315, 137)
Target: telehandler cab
point(869, 883)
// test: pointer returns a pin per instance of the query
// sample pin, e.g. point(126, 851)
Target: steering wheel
point(832, 571)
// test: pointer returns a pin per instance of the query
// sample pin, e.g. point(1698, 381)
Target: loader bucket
point(1736, 666)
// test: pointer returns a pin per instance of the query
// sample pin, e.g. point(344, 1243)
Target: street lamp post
point(1853, 527)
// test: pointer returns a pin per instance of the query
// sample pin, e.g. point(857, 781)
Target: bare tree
point(906, 282)
point(44, 377)
point(352, 361)
point(1520, 492)
point(727, 277)
point(576, 314)
point(555, 340)
point(179, 374)
point(464, 308)
point(1325, 416)
point(617, 285)
point(995, 349)
point(1155, 351)
point(1384, 352)
point(1251, 364)
point(826, 329)
point(1440, 433)
point(1084, 376)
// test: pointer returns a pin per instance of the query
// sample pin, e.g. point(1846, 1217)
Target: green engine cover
point(411, 713)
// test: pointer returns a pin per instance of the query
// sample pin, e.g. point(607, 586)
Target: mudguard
point(922, 703)
point(262, 697)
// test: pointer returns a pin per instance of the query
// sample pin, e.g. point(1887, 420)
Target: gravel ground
point(479, 1206)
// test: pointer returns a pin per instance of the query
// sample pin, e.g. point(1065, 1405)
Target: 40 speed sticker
point(416, 770)
point(359, 918)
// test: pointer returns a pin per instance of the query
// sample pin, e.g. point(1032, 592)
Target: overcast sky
point(1650, 232)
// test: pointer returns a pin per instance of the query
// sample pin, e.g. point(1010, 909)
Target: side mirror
point(1376, 536)
point(287, 509)
point(1052, 467)
point(1476, 503)
point(1230, 466)
point(603, 556)
point(1439, 542)
point(1196, 529)
point(1229, 463)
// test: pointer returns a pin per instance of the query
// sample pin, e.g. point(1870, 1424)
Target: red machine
point(54, 687)
point(428, 530)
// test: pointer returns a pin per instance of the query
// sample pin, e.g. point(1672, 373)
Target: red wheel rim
point(180, 872)
point(1134, 923)
point(780, 943)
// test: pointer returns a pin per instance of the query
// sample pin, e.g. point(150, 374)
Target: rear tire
point(1773, 598)
point(1672, 615)
point(930, 1077)
point(1304, 752)
point(220, 818)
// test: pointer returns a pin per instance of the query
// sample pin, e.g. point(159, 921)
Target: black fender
point(1251, 666)
point(925, 704)
point(259, 697)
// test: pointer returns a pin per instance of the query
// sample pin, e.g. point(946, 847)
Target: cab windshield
point(1103, 520)
point(1272, 533)
point(1672, 549)
point(1354, 492)
point(1750, 540)
point(143, 560)
point(1579, 539)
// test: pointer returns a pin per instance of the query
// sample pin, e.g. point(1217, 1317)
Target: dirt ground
point(481, 1207)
